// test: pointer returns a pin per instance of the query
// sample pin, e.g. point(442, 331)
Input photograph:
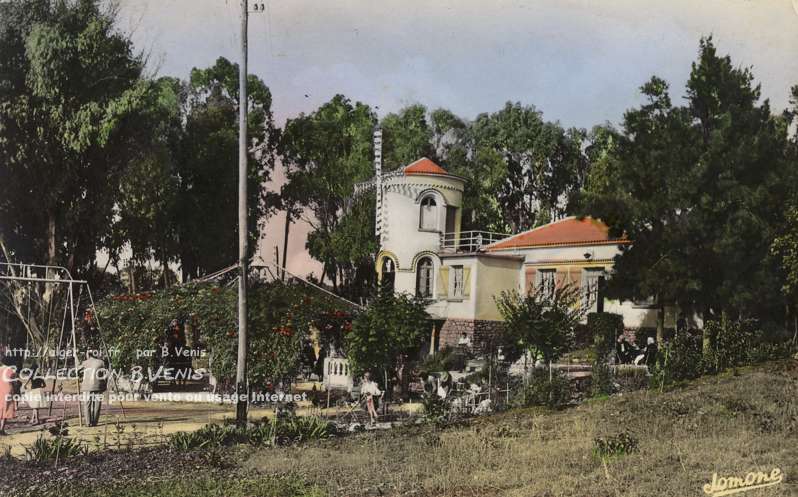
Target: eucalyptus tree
point(71, 95)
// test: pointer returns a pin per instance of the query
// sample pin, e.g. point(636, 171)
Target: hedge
point(604, 327)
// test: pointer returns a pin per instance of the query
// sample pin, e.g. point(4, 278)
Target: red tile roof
point(424, 166)
point(568, 231)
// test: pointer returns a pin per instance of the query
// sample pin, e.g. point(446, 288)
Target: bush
point(297, 429)
point(539, 390)
point(446, 359)
point(583, 338)
point(435, 408)
point(48, 449)
point(540, 322)
point(604, 327)
point(631, 378)
point(601, 379)
point(280, 432)
point(730, 343)
point(766, 351)
point(681, 359)
point(616, 445)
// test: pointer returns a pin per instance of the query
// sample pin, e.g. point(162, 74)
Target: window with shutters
point(590, 284)
point(458, 282)
point(424, 278)
point(429, 214)
point(547, 281)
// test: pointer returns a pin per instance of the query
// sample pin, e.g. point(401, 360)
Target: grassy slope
point(726, 424)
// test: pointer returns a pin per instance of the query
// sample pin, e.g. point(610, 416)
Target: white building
point(425, 253)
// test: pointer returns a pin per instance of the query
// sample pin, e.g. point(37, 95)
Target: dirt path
point(136, 424)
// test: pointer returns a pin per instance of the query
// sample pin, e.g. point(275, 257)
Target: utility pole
point(242, 392)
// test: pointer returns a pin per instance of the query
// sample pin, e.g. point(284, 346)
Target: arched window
point(424, 278)
point(428, 218)
point(388, 274)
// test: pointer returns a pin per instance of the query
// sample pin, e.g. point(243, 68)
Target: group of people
point(11, 388)
point(628, 353)
point(92, 388)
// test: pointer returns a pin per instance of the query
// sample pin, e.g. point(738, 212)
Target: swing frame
point(14, 271)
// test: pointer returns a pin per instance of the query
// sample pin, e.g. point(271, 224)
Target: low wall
point(478, 331)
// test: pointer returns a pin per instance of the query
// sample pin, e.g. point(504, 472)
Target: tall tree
point(699, 189)
point(206, 167)
point(785, 245)
point(407, 137)
point(521, 169)
point(70, 91)
point(146, 217)
point(325, 154)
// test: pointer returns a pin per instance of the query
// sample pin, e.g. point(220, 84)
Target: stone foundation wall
point(477, 330)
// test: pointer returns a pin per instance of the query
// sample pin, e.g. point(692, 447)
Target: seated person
point(624, 350)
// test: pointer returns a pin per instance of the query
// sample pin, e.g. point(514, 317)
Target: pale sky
point(579, 62)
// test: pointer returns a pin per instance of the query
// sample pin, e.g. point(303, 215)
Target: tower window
point(424, 278)
point(428, 218)
point(388, 275)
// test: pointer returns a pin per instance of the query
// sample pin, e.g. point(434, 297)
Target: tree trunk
point(660, 324)
point(285, 244)
point(706, 339)
point(51, 254)
point(131, 271)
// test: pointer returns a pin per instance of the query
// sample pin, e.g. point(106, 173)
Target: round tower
point(421, 209)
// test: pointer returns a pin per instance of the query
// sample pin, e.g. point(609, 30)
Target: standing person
point(8, 404)
point(370, 390)
point(35, 398)
point(650, 357)
point(319, 365)
point(92, 387)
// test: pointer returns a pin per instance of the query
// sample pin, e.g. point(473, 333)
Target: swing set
point(33, 295)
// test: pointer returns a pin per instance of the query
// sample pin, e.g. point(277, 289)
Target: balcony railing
point(469, 241)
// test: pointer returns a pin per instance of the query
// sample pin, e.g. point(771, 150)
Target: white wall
point(403, 239)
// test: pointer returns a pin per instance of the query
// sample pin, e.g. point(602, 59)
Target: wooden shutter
point(443, 281)
point(577, 280)
point(529, 279)
point(576, 277)
point(560, 279)
point(466, 282)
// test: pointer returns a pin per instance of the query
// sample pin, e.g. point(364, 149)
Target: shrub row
point(285, 431)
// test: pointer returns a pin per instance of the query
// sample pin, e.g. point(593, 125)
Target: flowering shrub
point(281, 316)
